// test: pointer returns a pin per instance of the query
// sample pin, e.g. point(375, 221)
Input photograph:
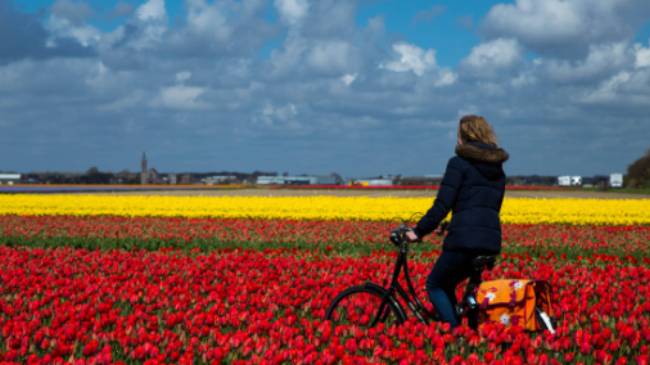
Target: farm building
point(569, 180)
point(9, 179)
point(297, 180)
point(220, 179)
point(616, 180)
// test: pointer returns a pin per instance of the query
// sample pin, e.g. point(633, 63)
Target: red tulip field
point(153, 290)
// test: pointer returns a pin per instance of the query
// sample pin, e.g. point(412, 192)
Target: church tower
point(144, 173)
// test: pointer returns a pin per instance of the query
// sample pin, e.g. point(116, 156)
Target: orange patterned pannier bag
point(514, 301)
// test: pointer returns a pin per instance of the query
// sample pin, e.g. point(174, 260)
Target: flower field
point(155, 279)
point(520, 210)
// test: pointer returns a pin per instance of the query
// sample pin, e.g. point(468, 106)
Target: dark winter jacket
point(472, 188)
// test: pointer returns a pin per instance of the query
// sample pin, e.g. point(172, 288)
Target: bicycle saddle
point(483, 262)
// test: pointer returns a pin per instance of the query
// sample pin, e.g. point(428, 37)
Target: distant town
point(150, 176)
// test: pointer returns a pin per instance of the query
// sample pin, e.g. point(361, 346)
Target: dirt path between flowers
point(380, 193)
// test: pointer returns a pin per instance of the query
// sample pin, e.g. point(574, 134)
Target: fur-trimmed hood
point(482, 152)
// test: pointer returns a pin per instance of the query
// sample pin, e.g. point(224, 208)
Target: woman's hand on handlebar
point(411, 236)
point(403, 234)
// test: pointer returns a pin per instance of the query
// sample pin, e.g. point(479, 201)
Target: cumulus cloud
point(411, 58)
point(279, 117)
point(600, 60)
point(446, 78)
point(642, 56)
point(320, 57)
point(492, 56)
point(183, 76)
point(220, 28)
point(420, 62)
point(182, 97)
point(204, 18)
point(316, 83)
point(624, 89)
point(292, 11)
point(523, 79)
point(142, 32)
point(75, 12)
point(609, 89)
point(61, 28)
point(99, 78)
point(151, 22)
point(331, 56)
point(152, 10)
point(566, 28)
point(23, 36)
point(348, 79)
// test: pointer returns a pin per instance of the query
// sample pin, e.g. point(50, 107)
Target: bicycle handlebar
point(398, 235)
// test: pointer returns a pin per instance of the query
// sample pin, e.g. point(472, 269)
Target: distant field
point(635, 191)
point(516, 191)
point(381, 193)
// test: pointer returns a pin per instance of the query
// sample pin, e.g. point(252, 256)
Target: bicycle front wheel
point(365, 306)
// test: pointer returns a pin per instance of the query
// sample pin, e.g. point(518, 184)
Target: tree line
point(638, 173)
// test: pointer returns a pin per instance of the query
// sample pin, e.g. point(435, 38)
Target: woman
point(472, 187)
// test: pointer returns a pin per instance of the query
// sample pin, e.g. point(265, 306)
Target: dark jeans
point(450, 269)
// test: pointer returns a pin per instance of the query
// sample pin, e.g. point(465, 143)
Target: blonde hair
point(474, 128)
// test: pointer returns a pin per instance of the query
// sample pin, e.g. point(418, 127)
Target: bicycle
point(368, 304)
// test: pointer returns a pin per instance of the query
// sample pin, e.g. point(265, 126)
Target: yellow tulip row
point(515, 210)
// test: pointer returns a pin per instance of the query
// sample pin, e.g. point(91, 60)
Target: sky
point(358, 87)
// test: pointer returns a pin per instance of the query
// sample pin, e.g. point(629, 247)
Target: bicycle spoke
point(364, 309)
point(382, 313)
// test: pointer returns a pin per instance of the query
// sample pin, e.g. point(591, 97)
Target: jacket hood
point(487, 159)
point(482, 152)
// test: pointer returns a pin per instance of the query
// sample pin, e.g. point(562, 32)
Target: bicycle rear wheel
point(365, 306)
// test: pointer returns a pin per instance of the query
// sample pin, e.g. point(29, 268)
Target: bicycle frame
point(390, 294)
point(468, 307)
point(414, 304)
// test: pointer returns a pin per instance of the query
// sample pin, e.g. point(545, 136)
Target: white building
point(616, 180)
point(576, 180)
point(219, 179)
point(297, 180)
point(9, 179)
point(567, 180)
point(286, 180)
point(173, 179)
